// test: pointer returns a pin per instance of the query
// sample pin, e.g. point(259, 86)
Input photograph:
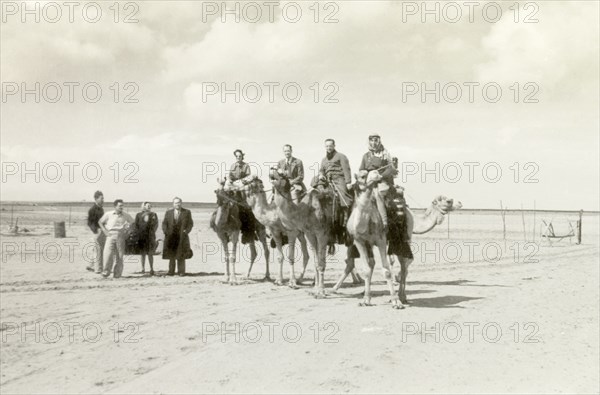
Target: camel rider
point(239, 170)
point(378, 158)
point(293, 169)
point(336, 169)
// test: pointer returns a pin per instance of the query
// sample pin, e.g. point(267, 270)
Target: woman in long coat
point(146, 223)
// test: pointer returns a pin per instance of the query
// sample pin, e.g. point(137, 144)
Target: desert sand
point(527, 322)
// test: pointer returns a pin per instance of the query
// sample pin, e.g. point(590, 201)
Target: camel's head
point(281, 183)
point(253, 187)
point(444, 205)
point(366, 179)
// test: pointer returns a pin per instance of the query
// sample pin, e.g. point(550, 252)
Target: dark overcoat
point(177, 240)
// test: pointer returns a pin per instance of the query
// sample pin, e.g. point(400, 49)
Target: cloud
point(560, 52)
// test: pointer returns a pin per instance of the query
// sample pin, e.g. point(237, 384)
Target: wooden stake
point(523, 219)
point(533, 222)
point(503, 213)
point(579, 223)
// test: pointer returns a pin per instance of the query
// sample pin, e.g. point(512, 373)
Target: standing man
point(293, 169)
point(336, 169)
point(176, 226)
point(378, 158)
point(94, 214)
point(114, 224)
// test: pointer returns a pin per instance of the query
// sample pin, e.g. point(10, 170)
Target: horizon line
point(66, 202)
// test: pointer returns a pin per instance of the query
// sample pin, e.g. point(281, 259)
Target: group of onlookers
point(113, 230)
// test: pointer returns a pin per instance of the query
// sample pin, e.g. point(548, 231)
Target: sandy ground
point(528, 323)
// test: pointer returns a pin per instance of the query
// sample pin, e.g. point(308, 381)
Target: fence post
point(579, 223)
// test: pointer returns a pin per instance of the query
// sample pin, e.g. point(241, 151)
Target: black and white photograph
point(300, 197)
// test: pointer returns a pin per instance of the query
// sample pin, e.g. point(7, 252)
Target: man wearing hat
point(239, 169)
point(378, 158)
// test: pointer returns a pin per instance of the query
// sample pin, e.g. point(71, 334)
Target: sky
point(161, 125)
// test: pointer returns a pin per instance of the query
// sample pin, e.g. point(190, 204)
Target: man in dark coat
point(94, 214)
point(293, 169)
point(336, 169)
point(177, 225)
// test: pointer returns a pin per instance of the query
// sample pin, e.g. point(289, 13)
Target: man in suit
point(293, 169)
point(94, 214)
point(177, 226)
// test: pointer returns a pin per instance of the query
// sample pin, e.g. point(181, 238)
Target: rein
point(223, 196)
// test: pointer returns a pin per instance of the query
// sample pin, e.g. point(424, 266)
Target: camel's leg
point(356, 278)
point(226, 259)
point(312, 239)
point(253, 255)
point(305, 255)
point(404, 263)
point(232, 259)
point(265, 245)
point(292, 257)
point(387, 273)
point(280, 257)
point(322, 262)
point(367, 271)
point(350, 268)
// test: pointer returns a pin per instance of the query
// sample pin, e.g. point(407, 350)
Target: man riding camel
point(292, 168)
point(238, 171)
point(335, 169)
point(378, 158)
point(335, 173)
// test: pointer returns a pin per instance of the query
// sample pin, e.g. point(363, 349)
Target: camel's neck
point(260, 206)
point(423, 223)
point(364, 201)
point(283, 203)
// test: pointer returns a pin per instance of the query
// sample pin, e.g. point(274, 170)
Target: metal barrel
point(60, 230)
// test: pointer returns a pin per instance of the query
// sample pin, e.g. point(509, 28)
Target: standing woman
point(146, 223)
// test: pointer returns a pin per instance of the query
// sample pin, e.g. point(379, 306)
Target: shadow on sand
point(467, 283)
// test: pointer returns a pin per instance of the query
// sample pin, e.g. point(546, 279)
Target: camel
point(266, 214)
point(308, 216)
point(225, 221)
point(366, 227)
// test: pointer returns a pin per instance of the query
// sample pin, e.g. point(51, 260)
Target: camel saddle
point(337, 216)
